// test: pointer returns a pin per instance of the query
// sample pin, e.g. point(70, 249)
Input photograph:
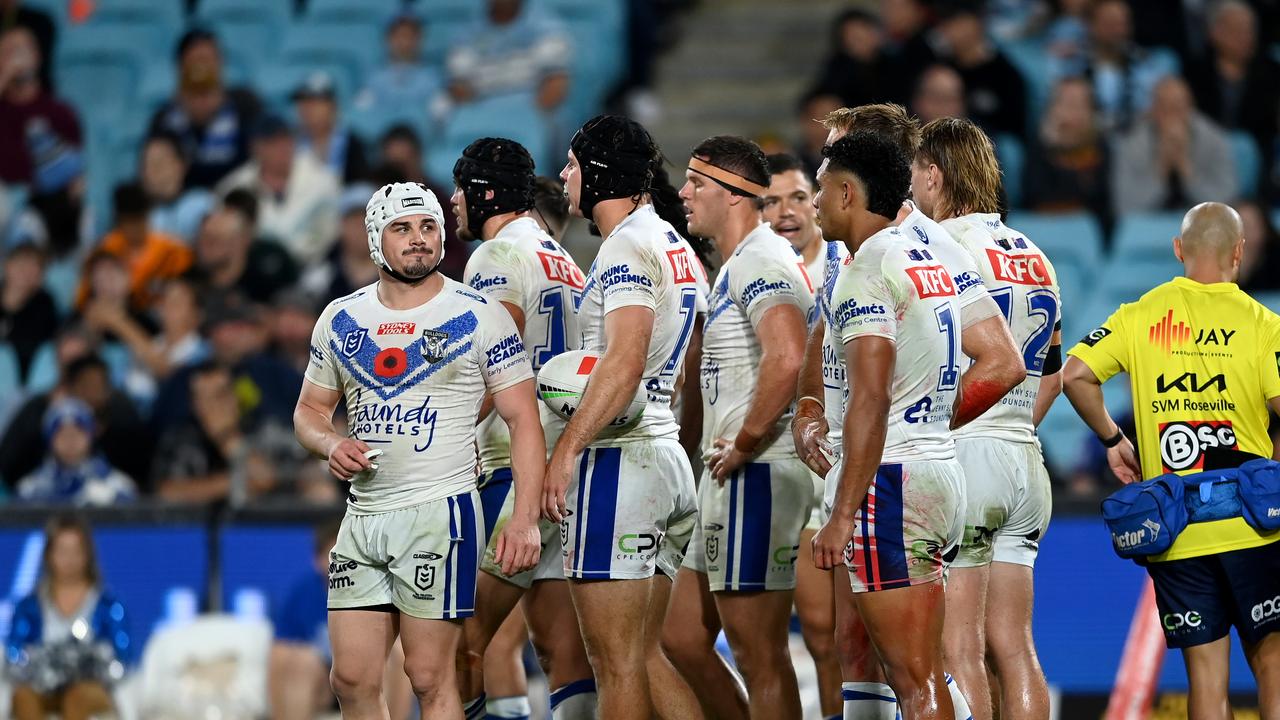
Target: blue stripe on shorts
point(597, 556)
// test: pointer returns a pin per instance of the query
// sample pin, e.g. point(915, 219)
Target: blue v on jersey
point(413, 381)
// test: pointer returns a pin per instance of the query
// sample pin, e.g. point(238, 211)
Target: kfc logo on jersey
point(397, 328)
point(932, 281)
point(681, 265)
point(562, 270)
point(1019, 269)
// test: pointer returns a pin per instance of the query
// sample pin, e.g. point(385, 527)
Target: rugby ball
point(564, 379)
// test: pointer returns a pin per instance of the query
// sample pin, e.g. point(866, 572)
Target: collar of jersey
point(1187, 283)
point(444, 288)
point(646, 209)
point(516, 229)
point(756, 233)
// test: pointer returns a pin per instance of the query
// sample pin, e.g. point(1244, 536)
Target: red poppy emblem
point(389, 363)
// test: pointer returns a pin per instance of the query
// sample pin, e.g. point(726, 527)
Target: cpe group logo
point(1174, 622)
point(1265, 609)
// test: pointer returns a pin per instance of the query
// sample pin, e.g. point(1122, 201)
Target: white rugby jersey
point(898, 289)
point(833, 374)
point(964, 271)
point(764, 271)
point(413, 381)
point(1023, 283)
point(523, 266)
point(644, 262)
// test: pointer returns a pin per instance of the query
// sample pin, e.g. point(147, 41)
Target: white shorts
point(1008, 501)
point(817, 516)
point(632, 510)
point(421, 559)
point(908, 527)
point(749, 529)
point(498, 499)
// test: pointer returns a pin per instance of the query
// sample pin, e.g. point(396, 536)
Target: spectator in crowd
point(239, 340)
point(1260, 262)
point(153, 358)
point(120, 434)
point(348, 267)
point(72, 473)
point(40, 141)
point(550, 206)
point(405, 85)
point(513, 49)
point(107, 297)
point(1174, 158)
point(995, 93)
point(230, 261)
point(1123, 75)
point(907, 49)
point(856, 71)
point(174, 211)
point(812, 108)
point(68, 641)
point(293, 318)
point(28, 316)
point(938, 94)
point(1068, 162)
point(1237, 86)
point(296, 193)
point(1066, 38)
point(227, 452)
point(14, 14)
point(149, 257)
point(320, 132)
point(212, 122)
point(298, 674)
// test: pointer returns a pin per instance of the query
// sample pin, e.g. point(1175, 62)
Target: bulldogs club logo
point(433, 343)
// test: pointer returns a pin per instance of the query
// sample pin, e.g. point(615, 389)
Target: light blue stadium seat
point(513, 116)
point(1146, 235)
point(359, 10)
point(1127, 279)
point(1062, 435)
point(157, 86)
point(276, 81)
point(99, 67)
point(450, 11)
point(43, 373)
point(1012, 157)
point(1248, 162)
point(163, 18)
point(1069, 238)
point(1270, 299)
point(248, 31)
point(358, 46)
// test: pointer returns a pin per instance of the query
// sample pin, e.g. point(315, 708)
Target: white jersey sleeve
point(898, 290)
point(500, 352)
point(322, 367)
point(496, 270)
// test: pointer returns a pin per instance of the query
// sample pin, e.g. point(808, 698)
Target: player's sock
point(869, 701)
point(515, 707)
point(957, 699)
point(473, 709)
point(575, 701)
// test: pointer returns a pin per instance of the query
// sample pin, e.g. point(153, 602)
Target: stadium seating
point(1146, 235)
point(1248, 161)
point(513, 116)
point(163, 18)
point(377, 11)
point(1010, 154)
point(97, 67)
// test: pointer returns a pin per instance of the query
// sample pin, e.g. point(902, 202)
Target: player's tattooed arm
point(870, 361)
point(809, 426)
point(520, 542)
point(313, 426)
point(997, 368)
point(616, 378)
point(1084, 390)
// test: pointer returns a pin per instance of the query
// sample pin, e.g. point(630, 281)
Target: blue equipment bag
point(1144, 518)
point(1260, 494)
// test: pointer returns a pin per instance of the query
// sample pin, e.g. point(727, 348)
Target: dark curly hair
point(880, 165)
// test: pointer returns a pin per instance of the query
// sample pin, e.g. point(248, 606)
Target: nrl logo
point(424, 577)
point(433, 342)
point(354, 340)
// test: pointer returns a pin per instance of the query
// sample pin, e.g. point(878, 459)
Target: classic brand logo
point(1019, 269)
point(931, 281)
point(397, 328)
